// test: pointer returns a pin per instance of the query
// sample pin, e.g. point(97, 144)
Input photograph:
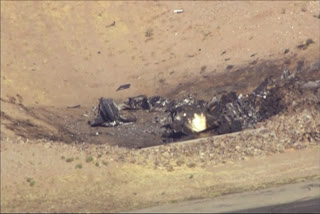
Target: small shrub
point(78, 166)
point(309, 41)
point(191, 165)
point(32, 183)
point(89, 159)
point(170, 168)
point(68, 160)
point(97, 164)
point(149, 32)
point(180, 162)
point(105, 163)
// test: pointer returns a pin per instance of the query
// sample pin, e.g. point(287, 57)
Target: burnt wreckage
point(187, 117)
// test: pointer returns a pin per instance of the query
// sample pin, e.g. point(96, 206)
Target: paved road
point(306, 206)
point(293, 198)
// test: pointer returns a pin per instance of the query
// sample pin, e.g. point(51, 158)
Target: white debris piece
point(178, 11)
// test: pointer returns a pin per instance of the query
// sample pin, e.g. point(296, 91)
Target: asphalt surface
point(308, 206)
point(291, 198)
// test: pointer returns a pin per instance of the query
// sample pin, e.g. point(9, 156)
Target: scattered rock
point(306, 44)
point(112, 24)
point(170, 168)
point(191, 165)
point(229, 67)
point(178, 11)
point(122, 87)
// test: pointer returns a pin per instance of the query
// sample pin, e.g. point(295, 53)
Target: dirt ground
point(60, 54)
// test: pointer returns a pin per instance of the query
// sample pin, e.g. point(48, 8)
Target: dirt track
point(60, 54)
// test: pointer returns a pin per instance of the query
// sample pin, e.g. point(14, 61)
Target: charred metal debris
point(189, 116)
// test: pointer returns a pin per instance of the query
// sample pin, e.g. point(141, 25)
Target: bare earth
point(59, 54)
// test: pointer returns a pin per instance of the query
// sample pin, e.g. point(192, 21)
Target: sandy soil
point(115, 185)
point(59, 54)
point(64, 53)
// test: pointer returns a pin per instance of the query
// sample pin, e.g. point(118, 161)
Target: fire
point(198, 123)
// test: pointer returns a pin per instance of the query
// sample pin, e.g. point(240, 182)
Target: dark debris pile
point(189, 116)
